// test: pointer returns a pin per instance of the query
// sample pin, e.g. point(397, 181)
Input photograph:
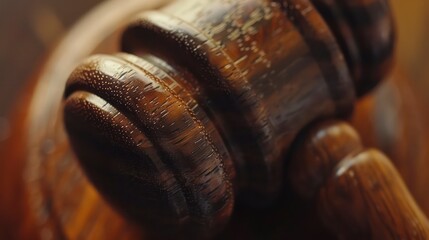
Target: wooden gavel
point(222, 102)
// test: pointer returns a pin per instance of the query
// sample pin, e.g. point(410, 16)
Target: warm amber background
point(28, 28)
point(412, 20)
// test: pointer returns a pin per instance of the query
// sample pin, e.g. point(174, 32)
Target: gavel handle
point(358, 192)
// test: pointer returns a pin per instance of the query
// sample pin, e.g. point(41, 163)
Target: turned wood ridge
point(208, 96)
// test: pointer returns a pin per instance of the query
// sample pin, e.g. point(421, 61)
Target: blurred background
point(30, 28)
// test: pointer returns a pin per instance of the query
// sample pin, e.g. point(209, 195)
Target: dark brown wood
point(394, 120)
point(205, 109)
point(157, 141)
point(358, 191)
point(236, 51)
point(201, 114)
point(41, 194)
point(366, 34)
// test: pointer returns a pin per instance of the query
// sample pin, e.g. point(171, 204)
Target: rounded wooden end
point(147, 146)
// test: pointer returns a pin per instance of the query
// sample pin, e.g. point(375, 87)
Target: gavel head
point(204, 105)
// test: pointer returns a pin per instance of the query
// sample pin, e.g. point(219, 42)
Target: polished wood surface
point(52, 174)
point(394, 120)
point(19, 208)
point(358, 192)
point(237, 88)
point(367, 42)
point(209, 107)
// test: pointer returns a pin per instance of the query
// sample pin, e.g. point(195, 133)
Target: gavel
point(213, 104)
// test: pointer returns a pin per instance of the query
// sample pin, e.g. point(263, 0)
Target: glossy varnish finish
point(358, 192)
point(190, 184)
point(249, 59)
point(403, 136)
point(201, 112)
point(215, 83)
point(36, 205)
point(365, 32)
point(211, 105)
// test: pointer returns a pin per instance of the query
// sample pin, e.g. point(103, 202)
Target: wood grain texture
point(366, 33)
point(394, 120)
point(39, 203)
point(239, 79)
point(213, 83)
point(248, 77)
point(154, 138)
point(359, 193)
point(207, 109)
